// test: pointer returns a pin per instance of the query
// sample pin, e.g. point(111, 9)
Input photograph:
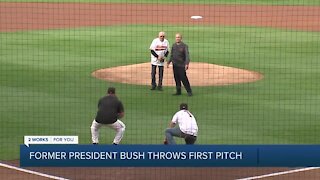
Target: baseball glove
point(161, 60)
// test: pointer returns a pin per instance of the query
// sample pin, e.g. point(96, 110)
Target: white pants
point(118, 126)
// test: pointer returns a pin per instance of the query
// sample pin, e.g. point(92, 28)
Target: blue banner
point(170, 156)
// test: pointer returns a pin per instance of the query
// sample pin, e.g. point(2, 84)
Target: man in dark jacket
point(180, 60)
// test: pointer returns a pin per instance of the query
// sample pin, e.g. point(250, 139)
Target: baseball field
point(50, 51)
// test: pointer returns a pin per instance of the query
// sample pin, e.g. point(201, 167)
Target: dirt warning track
point(30, 16)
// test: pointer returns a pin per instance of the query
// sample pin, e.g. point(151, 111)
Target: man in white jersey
point(187, 129)
point(159, 51)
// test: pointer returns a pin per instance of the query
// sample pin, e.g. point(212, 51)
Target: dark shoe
point(115, 144)
point(159, 88)
point(178, 91)
point(95, 143)
point(153, 88)
point(176, 94)
point(189, 93)
point(165, 142)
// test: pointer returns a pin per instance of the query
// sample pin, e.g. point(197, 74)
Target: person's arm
point(154, 53)
point(173, 121)
point(172, 125)
point(167, 53)
point(153, 47)
point(99, 103)
point(171, 57)
point(186, 67)
point(120, 110)
point(187, 60)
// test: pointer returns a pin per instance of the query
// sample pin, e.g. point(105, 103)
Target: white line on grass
point(32, 172)
point(279, 173)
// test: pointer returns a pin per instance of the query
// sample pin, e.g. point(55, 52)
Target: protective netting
point(253, 72)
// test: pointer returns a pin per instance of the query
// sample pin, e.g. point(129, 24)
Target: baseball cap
point(183, 106)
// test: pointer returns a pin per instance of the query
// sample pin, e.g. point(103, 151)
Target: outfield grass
point(46, 86)
point(261, 2)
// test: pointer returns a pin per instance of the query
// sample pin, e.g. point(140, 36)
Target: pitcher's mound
point(199, 74)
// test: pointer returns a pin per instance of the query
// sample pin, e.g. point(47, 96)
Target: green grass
point(261, 2)
point(46, 86)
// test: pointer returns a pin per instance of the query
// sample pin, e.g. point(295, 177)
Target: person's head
point(184, 106)
point(162, 35)
point(111, 90)
point(178, 38)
